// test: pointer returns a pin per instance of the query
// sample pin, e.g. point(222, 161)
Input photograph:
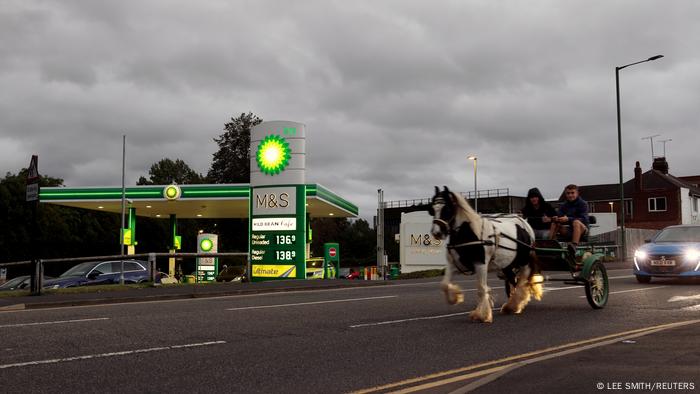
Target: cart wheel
point(597, 286)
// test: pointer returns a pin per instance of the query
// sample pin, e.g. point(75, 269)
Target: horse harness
point(494, 240)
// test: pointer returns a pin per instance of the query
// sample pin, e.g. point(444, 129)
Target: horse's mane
point(471, 216)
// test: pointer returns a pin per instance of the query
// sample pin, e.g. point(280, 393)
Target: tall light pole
point(476, 204)
point(619, 152)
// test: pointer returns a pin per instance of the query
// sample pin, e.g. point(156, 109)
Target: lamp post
point(619, 152)
point(476, 206)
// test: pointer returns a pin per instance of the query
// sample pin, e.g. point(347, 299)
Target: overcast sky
point(395, 94)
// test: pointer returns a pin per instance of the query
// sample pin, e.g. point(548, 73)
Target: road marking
point(113, 354)
point(382, 323)
point(518, 360)
point(52, 322)
point(546, 289)
point(629, 291)
point(692, 308)
point(684, 298)
point(310, 303)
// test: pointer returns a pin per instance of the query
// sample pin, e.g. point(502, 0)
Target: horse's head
point(443, 210)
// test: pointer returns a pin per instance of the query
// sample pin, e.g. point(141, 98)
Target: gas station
point(277, 202)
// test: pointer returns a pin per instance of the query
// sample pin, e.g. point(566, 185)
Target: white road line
point(629, 291)
point(52, 322)
point(691, 308)
point(546, 289)
point(684, 298)
point(113, 354)
point(382, 323)
point(309, 303)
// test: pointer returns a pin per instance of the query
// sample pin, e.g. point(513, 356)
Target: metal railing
point(38, 271)
point(504, 192)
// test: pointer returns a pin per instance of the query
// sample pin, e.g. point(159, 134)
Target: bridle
point(444, 225)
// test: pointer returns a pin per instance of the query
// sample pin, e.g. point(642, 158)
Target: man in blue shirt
point(571, 219)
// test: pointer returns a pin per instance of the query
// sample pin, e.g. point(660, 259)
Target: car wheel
point(643, 278)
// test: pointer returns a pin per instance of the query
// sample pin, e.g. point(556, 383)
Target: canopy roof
point(196, 201)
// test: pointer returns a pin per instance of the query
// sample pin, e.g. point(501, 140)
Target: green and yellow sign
point(278, 201)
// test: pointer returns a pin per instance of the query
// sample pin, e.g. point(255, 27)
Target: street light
point(619, 151)
point(476, 206)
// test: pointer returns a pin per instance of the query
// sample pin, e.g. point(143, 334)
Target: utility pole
point(380, 232)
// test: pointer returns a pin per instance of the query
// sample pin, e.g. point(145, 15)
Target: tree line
point(73, 232)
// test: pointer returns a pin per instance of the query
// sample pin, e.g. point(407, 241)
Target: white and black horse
point(478, 244)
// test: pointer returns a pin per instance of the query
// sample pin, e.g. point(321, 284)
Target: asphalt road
point(401, 337)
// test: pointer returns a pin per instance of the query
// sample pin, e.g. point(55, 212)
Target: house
point(653, 199)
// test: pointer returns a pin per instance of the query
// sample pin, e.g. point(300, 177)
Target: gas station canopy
point(188, 201)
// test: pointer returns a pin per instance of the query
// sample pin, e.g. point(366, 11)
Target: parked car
point(353, 274)
point(672, 252)
point(234, 273)
point(101, 273)
point(19, 283)
point(314, 268)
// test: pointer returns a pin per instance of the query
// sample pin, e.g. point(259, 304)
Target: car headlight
point(640, 254)
point(692, 254)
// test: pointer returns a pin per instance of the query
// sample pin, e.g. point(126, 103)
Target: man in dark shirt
point(572, 218)
point(538, 213)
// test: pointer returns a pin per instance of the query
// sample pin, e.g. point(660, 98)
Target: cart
point(586, 270)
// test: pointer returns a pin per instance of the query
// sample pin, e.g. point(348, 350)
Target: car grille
point(660, 269)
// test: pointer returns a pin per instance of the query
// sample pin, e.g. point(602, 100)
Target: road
point(400, 337)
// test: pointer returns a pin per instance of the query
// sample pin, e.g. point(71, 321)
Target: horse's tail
point(536, 279)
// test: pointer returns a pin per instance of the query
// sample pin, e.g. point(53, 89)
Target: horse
point(477, 243)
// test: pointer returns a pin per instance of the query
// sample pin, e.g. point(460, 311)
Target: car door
point(103, 273)
point(134, 272)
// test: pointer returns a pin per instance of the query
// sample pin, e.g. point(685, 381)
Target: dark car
point(673, 252)
point(101, 273)
point(19, 283)
point(234, 273)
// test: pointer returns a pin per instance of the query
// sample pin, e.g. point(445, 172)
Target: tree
point(167, 171)
point(231, 163)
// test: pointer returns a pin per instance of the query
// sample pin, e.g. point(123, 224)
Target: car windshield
point(12, 283)
point(78, 270)
point(679, 234)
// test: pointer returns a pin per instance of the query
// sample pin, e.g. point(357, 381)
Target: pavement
point(56, 299)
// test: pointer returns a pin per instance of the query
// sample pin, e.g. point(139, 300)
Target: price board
point(278, 236)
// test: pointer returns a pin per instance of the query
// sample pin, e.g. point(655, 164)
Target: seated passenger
point(572, 219)
point(538, 213)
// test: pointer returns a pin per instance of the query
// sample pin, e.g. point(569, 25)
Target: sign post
point(33, 199)
point(207, 267)
point(331, 260)
point(278, 201)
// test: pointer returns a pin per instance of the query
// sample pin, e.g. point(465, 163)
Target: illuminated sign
point(172, 192)
point(205, 245)
point(273, 154)
point(274, 224)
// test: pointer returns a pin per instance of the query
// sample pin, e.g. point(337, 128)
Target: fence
point(468, 195)
point(635, 238)
point(38, 271)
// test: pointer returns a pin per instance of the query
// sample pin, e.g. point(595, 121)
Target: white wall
point(688, 215)
point(418, 249)
point(605, 222)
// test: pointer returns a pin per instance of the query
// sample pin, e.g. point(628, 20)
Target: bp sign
point(207, 267)
point(278, 201)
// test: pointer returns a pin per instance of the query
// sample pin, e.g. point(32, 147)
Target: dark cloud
point(395, 94)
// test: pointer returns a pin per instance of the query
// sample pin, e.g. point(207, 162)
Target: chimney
point(660, 164)
point(638, 185)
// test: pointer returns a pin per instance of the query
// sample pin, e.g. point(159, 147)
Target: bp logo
point(172, 192)
point(273, 154)
point(206, 244)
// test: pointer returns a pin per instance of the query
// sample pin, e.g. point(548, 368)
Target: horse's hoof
point(505, 309)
